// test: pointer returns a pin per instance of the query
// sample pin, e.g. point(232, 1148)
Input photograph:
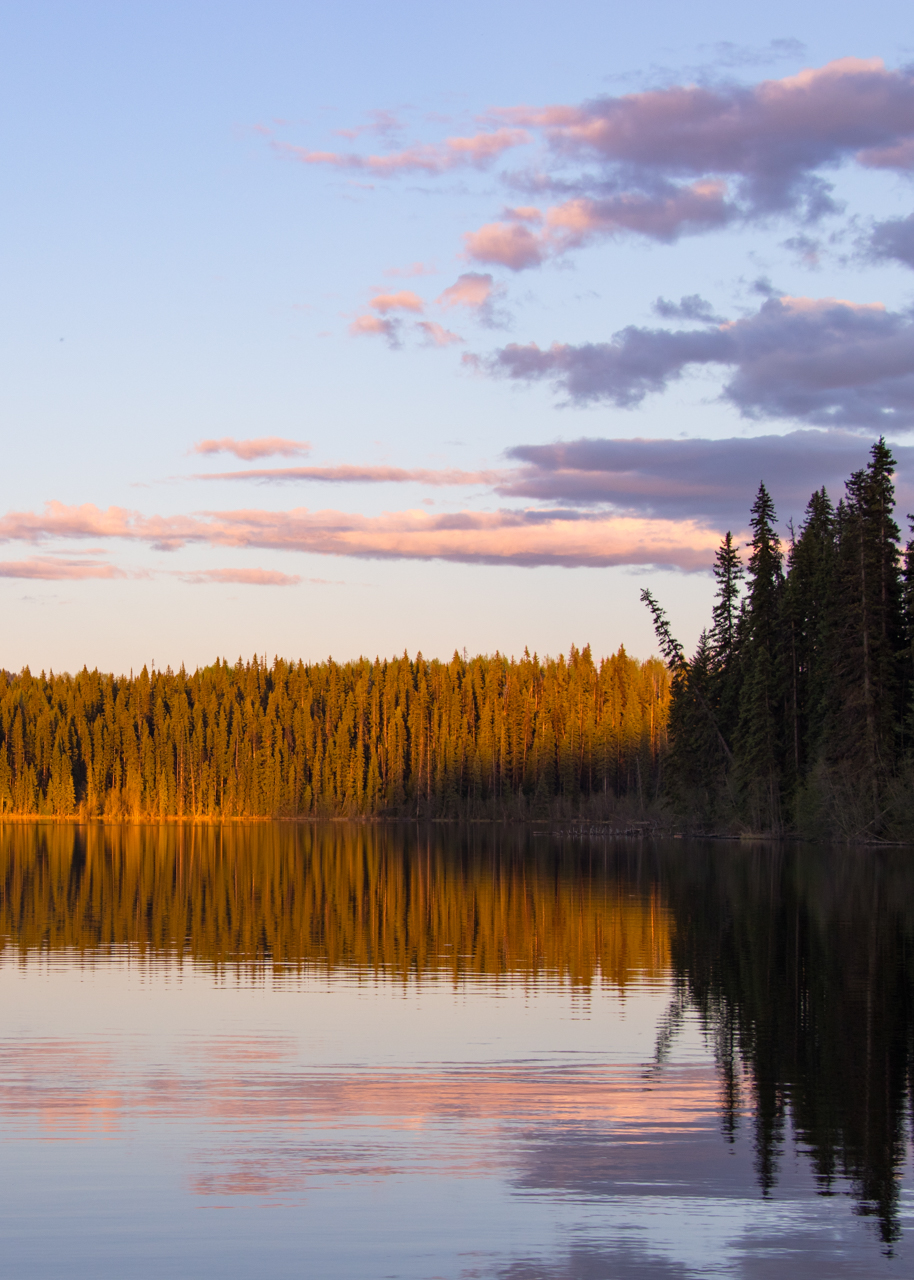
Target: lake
point(369, 1051)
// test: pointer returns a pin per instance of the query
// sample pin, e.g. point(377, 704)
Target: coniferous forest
point(488, 737)
point(795, 714)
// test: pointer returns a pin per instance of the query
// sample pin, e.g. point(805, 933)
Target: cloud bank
point(679, 160)
point(820, 361)
point(713, 481)
point(528, 538)
point(690, 158)
point(586, 503)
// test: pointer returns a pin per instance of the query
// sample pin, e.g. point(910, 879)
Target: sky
point(355, 329)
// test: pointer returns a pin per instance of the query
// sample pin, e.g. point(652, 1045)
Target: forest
point(485, 737)
point(795, 713)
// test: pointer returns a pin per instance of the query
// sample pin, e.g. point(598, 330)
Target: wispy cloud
point(665, 214)
point(244, 577)
point(472, 290)
point(526, 538)
point(263, 447)
point(822, 361)
point(411, 272)
point(349, 473)
point(402, 300)
point(436, 335)
point(478, 293)
point(366, 326)
point(56, 569)
point(477, 151)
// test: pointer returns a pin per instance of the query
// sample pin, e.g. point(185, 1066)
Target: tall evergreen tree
point(869, 634)
point(760, 734)
point(726, 633)
point(697, 766)
point(906, 700)
point(809, 616)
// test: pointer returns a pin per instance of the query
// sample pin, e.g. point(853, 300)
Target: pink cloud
point(682, 160)
point(770, 132)
point(507, 244)
point(52, 569)
point(263, 447)
point(576, 222)
point(164, 533)
point(523, 213)
point(477, 152)
point(661, 217)
point(374, 326)
point(245, 577)
point(436, 335)
point(472, 289)
point(349, 474)
point(898, 156)
point(502, 537)
point(403, 300)
point(410, 272)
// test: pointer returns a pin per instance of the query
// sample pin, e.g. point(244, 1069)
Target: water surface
point(372, 1052)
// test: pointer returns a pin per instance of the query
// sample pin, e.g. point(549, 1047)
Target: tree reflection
point(800, 961)
point(381, 899)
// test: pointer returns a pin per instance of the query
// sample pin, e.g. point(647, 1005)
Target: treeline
point(485, 737)
point(795, 712)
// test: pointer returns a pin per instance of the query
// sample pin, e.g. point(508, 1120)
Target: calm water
point(359, 1052)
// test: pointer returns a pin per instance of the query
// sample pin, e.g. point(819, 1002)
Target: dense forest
point(795, 713)
point(491, 737)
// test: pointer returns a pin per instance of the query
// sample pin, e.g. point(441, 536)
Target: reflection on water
point(375, 899)
point(451, 1052)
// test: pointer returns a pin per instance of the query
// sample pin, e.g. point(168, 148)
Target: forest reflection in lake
point(452, 1051)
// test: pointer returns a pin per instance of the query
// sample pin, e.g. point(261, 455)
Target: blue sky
point(442, 263)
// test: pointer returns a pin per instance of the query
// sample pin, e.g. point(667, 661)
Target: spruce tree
point(906, 700)
point(809, 609)
point(699, 753)
point(726, 633)
point(869, 634)
point(760, 734)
